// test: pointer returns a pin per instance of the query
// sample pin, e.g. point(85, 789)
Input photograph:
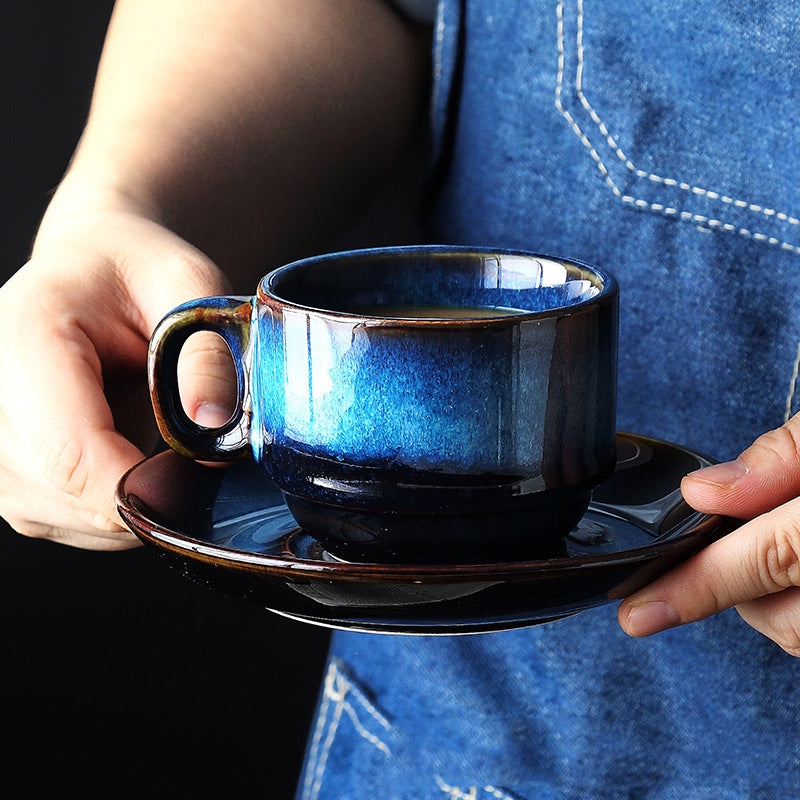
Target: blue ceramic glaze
point(445, 399)
point(374, 420)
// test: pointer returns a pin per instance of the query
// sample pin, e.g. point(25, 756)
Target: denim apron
point(659, 140)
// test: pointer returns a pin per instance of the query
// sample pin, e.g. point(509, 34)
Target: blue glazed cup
point(415, 403)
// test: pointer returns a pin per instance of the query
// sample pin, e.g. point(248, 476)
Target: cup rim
point(265, 293)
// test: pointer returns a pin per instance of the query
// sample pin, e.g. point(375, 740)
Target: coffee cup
point(415, 404)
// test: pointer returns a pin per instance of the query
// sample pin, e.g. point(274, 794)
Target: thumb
point(763, 477)
point(206, 376)
point(207, 380)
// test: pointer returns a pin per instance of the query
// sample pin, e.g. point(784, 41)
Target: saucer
point(229, 528)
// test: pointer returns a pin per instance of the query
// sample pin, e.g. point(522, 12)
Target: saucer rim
point(294, 565)
point(155, 533)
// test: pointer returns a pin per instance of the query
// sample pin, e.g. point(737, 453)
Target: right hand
point(75, 322)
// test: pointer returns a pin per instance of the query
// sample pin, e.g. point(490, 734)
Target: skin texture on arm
point(223, 139)
point(251, 128)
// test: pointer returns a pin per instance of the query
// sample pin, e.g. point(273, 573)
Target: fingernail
point(646, 618)
point(212, 415)
point(725, 474)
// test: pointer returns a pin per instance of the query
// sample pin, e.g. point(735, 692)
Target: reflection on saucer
point(230, 529)
point(591, 534)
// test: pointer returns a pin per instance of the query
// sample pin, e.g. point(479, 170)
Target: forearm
point(252, 128)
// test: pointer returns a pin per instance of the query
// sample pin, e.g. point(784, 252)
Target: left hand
point(757, 567)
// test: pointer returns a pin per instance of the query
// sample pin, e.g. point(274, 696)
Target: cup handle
point(229, 317)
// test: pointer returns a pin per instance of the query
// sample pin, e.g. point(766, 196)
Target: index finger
point(51, 390)
point(760, 558)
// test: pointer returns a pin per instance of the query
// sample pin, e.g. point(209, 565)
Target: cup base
point(534, 531)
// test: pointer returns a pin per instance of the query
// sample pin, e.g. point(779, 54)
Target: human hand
point(757, 567)
point(74, 409)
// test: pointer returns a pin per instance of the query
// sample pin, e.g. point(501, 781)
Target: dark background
point(119, 676)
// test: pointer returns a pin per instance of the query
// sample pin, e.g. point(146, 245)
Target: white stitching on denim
point(322, 720)
point(768, 212)
point(336, 689)
point(456, 793)
point(563, 111)
point(640, 204)
point(326, 747)
point(316, 760)
point(366, 704)
point(363, 732)
point(497, 793)
point(795, 373)
point(459, 794)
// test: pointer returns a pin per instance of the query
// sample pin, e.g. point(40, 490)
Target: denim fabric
point(573, 710)
point(660, 141)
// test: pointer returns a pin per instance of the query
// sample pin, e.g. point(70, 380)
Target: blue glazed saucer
point(230, 529)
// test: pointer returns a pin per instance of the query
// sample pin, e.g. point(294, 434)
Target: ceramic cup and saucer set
point(424, 442)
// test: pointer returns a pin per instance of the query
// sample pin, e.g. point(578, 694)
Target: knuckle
point(192, 269)
point(63, 460)
point(31, 529)
point(206, 366)
point(99, 522)
point(787, 636)
point(208, 350)
point(792, 649)
point(782, 443)
point(713, 599)
point(779, 566)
